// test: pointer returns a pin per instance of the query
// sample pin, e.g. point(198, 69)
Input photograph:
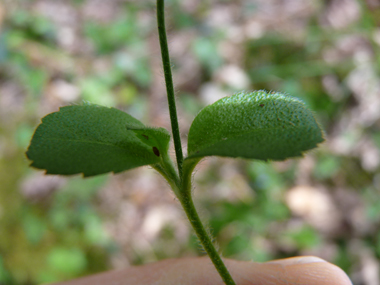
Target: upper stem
point(169, 83)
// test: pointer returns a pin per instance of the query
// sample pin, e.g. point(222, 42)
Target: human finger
point(188, 271)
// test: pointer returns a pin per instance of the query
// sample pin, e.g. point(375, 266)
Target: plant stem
point(182, 184)
point(167, 169)
point(204, 238)
point(169, 83)
point(191, 212)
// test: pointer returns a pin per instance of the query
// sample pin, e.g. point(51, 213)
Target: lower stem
point(204, 238)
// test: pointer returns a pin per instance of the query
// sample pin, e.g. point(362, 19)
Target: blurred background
point(61, 52)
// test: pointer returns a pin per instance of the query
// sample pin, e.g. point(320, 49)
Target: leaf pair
point(91, 139)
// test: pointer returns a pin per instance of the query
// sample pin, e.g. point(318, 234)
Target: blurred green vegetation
point(60, 234)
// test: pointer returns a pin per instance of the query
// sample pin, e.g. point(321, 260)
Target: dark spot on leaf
point(261, 105)
point(145, 136)
point(155, 151)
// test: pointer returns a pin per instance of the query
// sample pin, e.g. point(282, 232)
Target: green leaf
point(92, 139)
point(257, 125)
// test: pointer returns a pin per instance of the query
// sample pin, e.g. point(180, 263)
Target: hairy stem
point(169, 83)
point(182, 184)
point(204, 238)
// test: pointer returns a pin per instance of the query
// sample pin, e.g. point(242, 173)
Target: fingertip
point(307, 270)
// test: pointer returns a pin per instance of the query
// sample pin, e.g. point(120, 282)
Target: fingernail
point(297, 260)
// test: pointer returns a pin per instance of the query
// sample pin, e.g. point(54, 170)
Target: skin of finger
point(201, 271)
point(295, 271)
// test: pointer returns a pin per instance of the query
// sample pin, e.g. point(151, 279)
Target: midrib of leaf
point(85, 141)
